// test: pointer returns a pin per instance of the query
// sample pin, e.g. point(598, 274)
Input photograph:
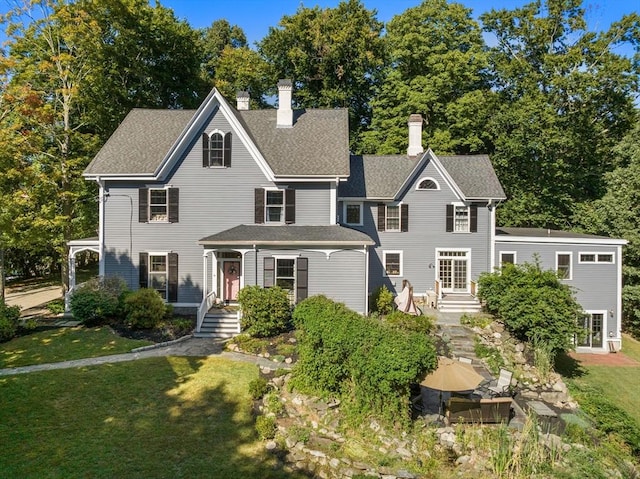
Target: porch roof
point(288, 235)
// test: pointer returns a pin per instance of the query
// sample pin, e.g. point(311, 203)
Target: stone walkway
point(200, 347)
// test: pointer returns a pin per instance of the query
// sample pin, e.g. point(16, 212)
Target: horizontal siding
point(595, 285)
point(340, 277)
point(211, 200)
point(427, 231)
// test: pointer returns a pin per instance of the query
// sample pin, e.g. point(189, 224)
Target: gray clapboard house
point(199, 203)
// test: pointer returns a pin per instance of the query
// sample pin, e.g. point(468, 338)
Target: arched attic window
point(428, 184)
point(216, 149)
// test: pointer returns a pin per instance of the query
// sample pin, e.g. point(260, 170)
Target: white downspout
point(333, 202)
point(101, 209)
point(366, 280)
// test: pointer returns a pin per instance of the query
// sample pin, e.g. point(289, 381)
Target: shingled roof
point(288, 234)
point(383, 176)
point(140, 143)
point(316, 145)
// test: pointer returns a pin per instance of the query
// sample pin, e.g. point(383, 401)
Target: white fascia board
point(307, 179)
point(430, 155)
point(546, 240)
point(213, 100)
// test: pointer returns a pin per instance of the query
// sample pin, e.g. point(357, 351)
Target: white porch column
point(205, 286)
point(101, 199)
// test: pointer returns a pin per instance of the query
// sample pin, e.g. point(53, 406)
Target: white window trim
point(223, 145)
point(166, 273)
point(514, 253)
point(149, 216)
point(384, 263)
point(597, 254)
point(437, 188)
point(604, 333)
point(457, 205)
point(284, 200)
point(558, 253)
point(294, 291)
point(351, 203)
point(386, 217)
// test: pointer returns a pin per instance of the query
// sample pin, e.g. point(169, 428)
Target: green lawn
point(154, 418)
point(63, 344)
point(621, 383)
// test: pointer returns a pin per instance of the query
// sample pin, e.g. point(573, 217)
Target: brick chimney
point(415, 135)
point(242, 100)
point(285, 113)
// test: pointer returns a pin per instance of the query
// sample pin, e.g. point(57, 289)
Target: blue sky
point(256, 16)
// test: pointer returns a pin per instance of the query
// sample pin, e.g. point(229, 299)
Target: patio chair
point(502, 384)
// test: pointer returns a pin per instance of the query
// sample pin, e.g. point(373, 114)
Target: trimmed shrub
point(98, 301)
point(145, 309)
point(9, 317)
point(533, 303)
point(266, 427)
point(266, 312)
point(258, 387)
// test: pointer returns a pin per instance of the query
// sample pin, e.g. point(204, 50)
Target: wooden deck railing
point(474, 289)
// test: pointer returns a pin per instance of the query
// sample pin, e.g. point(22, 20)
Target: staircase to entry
point(459, 303)
point(219, 324)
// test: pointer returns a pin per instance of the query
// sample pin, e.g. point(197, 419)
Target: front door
point(453, 271)
point(230, 280)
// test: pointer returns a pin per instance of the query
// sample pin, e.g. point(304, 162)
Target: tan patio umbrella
point(451, 375)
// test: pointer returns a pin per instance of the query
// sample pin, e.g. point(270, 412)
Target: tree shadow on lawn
point(568, 366)
point(154, 418)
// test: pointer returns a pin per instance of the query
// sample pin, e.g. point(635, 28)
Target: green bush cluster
point(409, 322)
point(258, 387)
point(381, 300)
point(9, 316)
point(265, 311)
point(533, 303)
point(145, 309)
point(367, 362)
point(266, 427)
point(99, 300)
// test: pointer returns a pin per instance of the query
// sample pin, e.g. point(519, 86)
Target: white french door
point(453, 270)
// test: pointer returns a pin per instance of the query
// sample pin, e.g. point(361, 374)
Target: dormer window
point(216, 149)
point(428, 184)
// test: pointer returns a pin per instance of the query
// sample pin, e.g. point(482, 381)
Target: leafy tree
point(215, 38)
point(566, 98)
point(242, 69)
point(144, 57)
point(334, 56)
point(617, 214)
point(437, 67)
point(534, 305)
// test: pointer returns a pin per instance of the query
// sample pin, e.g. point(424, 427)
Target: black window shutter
point(473, 225)
point(143, 205)
point(289, 206)
point(205, 150)
point(269, 272)
point(382, 217)
point(259, 205)
point(174, 207)
point(449, 218)
point(172, 292)
point(302, 279)
point(227, 150)
point(144, 270)
point(404, 218)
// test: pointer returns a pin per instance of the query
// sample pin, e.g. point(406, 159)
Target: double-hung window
point(289, 273)
point(392, 263)
point(461, 219)
point(274, 206)
point(158, 274)
point(216, 149)
point(393, 218)
point(158, 205)
point(563, 265)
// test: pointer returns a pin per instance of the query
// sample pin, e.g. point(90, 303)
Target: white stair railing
point(204, 308)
